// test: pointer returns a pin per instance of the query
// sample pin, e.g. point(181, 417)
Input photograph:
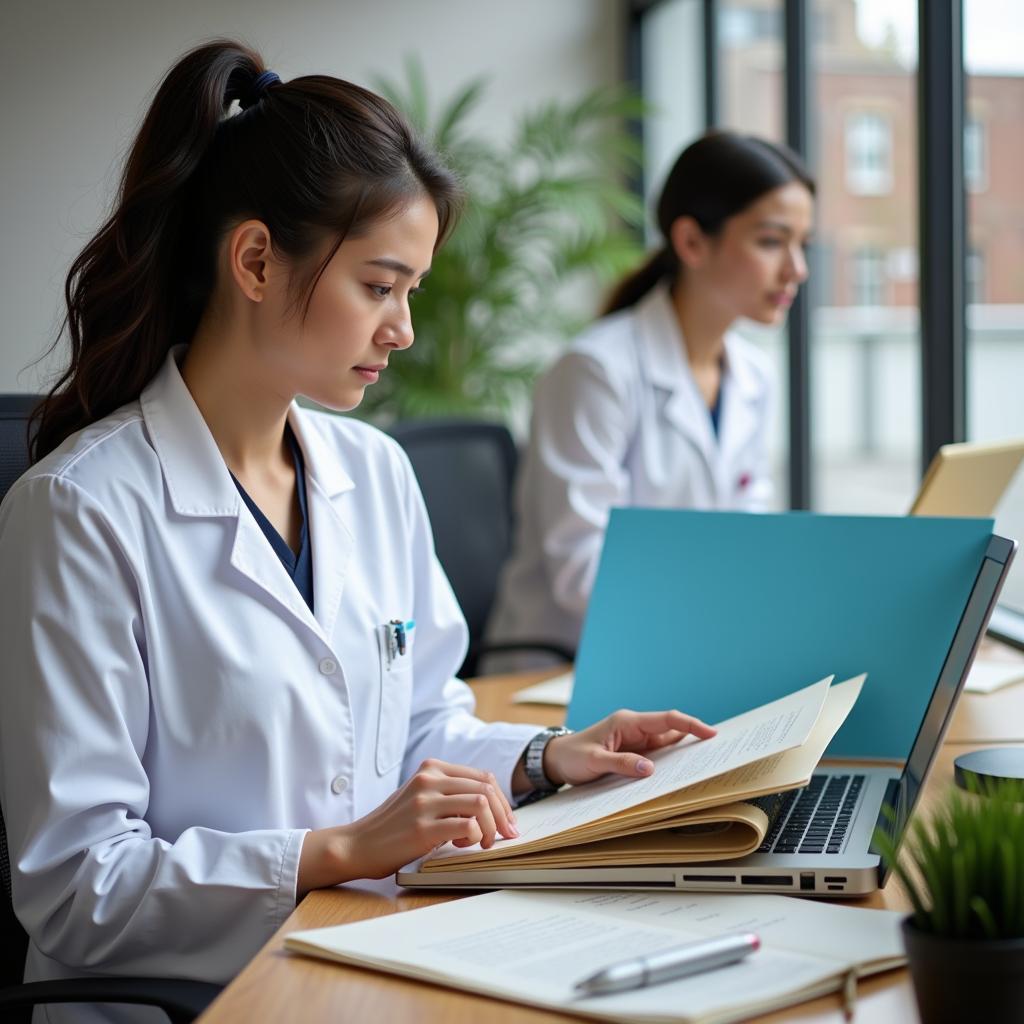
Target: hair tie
point(256, 91)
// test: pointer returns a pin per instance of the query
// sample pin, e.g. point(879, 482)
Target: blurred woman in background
point(660, 403)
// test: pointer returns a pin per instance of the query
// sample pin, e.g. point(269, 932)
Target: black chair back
point(14, 413)
point(14, 460)
point(466, 469)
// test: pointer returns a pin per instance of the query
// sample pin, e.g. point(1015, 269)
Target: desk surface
point(278, 986)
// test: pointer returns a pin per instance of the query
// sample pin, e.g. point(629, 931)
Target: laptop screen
point(1008, 618)
point(979, 607)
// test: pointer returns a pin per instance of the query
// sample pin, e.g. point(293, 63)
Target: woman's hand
point(616, 745)
point(440, 803)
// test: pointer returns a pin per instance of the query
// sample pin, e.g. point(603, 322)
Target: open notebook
point(532, 947)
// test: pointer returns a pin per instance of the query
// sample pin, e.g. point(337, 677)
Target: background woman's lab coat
point(619, 420)
point(173, 718)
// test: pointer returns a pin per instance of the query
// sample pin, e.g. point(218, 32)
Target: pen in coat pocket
point(401, 633)
point(669, 964)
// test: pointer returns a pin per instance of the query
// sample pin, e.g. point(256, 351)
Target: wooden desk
point(278, 986)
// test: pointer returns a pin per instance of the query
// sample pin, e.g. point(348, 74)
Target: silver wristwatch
point(533, 759)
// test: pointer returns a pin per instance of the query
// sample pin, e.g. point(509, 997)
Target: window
point(975, 273)
point(868, 154)
point(751, 65)
point(740, 25)
point(865, 348)
point(868, 277)
point(974, 155)
point(994, 128)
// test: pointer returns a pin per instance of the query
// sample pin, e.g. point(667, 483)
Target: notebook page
point(492, 943)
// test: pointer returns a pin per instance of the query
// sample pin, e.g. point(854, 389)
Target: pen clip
point(395, 638)
point(388, 644)
point(849, 994)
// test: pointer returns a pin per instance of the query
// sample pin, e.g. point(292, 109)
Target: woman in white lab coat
point(228, 647)
point(660, 403)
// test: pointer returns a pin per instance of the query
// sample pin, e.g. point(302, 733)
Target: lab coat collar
point(662, 352)
point(322, 463)
point(197, 478)
point(663, 360)
point(199, 484)
point(332, 540)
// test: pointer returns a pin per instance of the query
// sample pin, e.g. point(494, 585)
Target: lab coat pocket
point(395, 701)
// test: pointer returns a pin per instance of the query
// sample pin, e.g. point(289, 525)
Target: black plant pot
point(958, 980)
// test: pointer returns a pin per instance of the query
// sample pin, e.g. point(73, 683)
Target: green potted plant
point(548, 216)
point(964, 875)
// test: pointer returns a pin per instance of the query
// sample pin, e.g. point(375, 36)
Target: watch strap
point(533, 759)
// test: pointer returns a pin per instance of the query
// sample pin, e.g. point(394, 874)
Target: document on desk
point(556, 691)
point(767, 750)
point(532, 947)
point(987, 676)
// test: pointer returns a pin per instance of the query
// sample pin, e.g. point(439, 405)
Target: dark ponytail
point(311, 158)
point(713, 179)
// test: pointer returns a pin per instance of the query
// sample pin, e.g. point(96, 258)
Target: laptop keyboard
point(814, 819)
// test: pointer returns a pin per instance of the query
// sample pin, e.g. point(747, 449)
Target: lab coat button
point(328, 666)
point(339, 784)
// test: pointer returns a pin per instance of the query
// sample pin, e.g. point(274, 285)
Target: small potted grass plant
point(964, 875)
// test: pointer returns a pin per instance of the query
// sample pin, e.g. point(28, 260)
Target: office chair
point(466, 470)
point(181, 1000)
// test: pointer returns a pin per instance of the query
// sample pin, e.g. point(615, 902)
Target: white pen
point(669, 964)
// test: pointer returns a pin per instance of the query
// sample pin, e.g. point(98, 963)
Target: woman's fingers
point(663, 721)
point(459, 832)
point(619, 762)
point(462, 778)
point(468, 805)
point(664, 739)
point(503, 817)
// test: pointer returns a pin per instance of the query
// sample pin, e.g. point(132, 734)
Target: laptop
point(820, 838)
point(972, 479)
point(967, 479)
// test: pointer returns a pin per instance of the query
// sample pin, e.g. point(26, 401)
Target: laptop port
point(766, 880)
point(839, 887)
point(835, 878)
point(709, 878)
point(807, 880)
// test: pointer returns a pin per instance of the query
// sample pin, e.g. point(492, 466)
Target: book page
point(740, 741)
point(789, 769)
point(731, 830)
point(491, 943)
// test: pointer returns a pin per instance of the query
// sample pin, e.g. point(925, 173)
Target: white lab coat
point(619, 421)
point(173, 718)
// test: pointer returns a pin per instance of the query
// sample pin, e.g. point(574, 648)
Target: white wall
point(78, 74)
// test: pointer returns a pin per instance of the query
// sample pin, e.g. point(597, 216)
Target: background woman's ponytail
point(713, 179)
point(312, 158)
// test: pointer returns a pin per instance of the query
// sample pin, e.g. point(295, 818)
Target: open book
point(532, 947)
point(699, 805)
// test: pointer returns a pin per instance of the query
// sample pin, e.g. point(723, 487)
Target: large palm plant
point(546, 209)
